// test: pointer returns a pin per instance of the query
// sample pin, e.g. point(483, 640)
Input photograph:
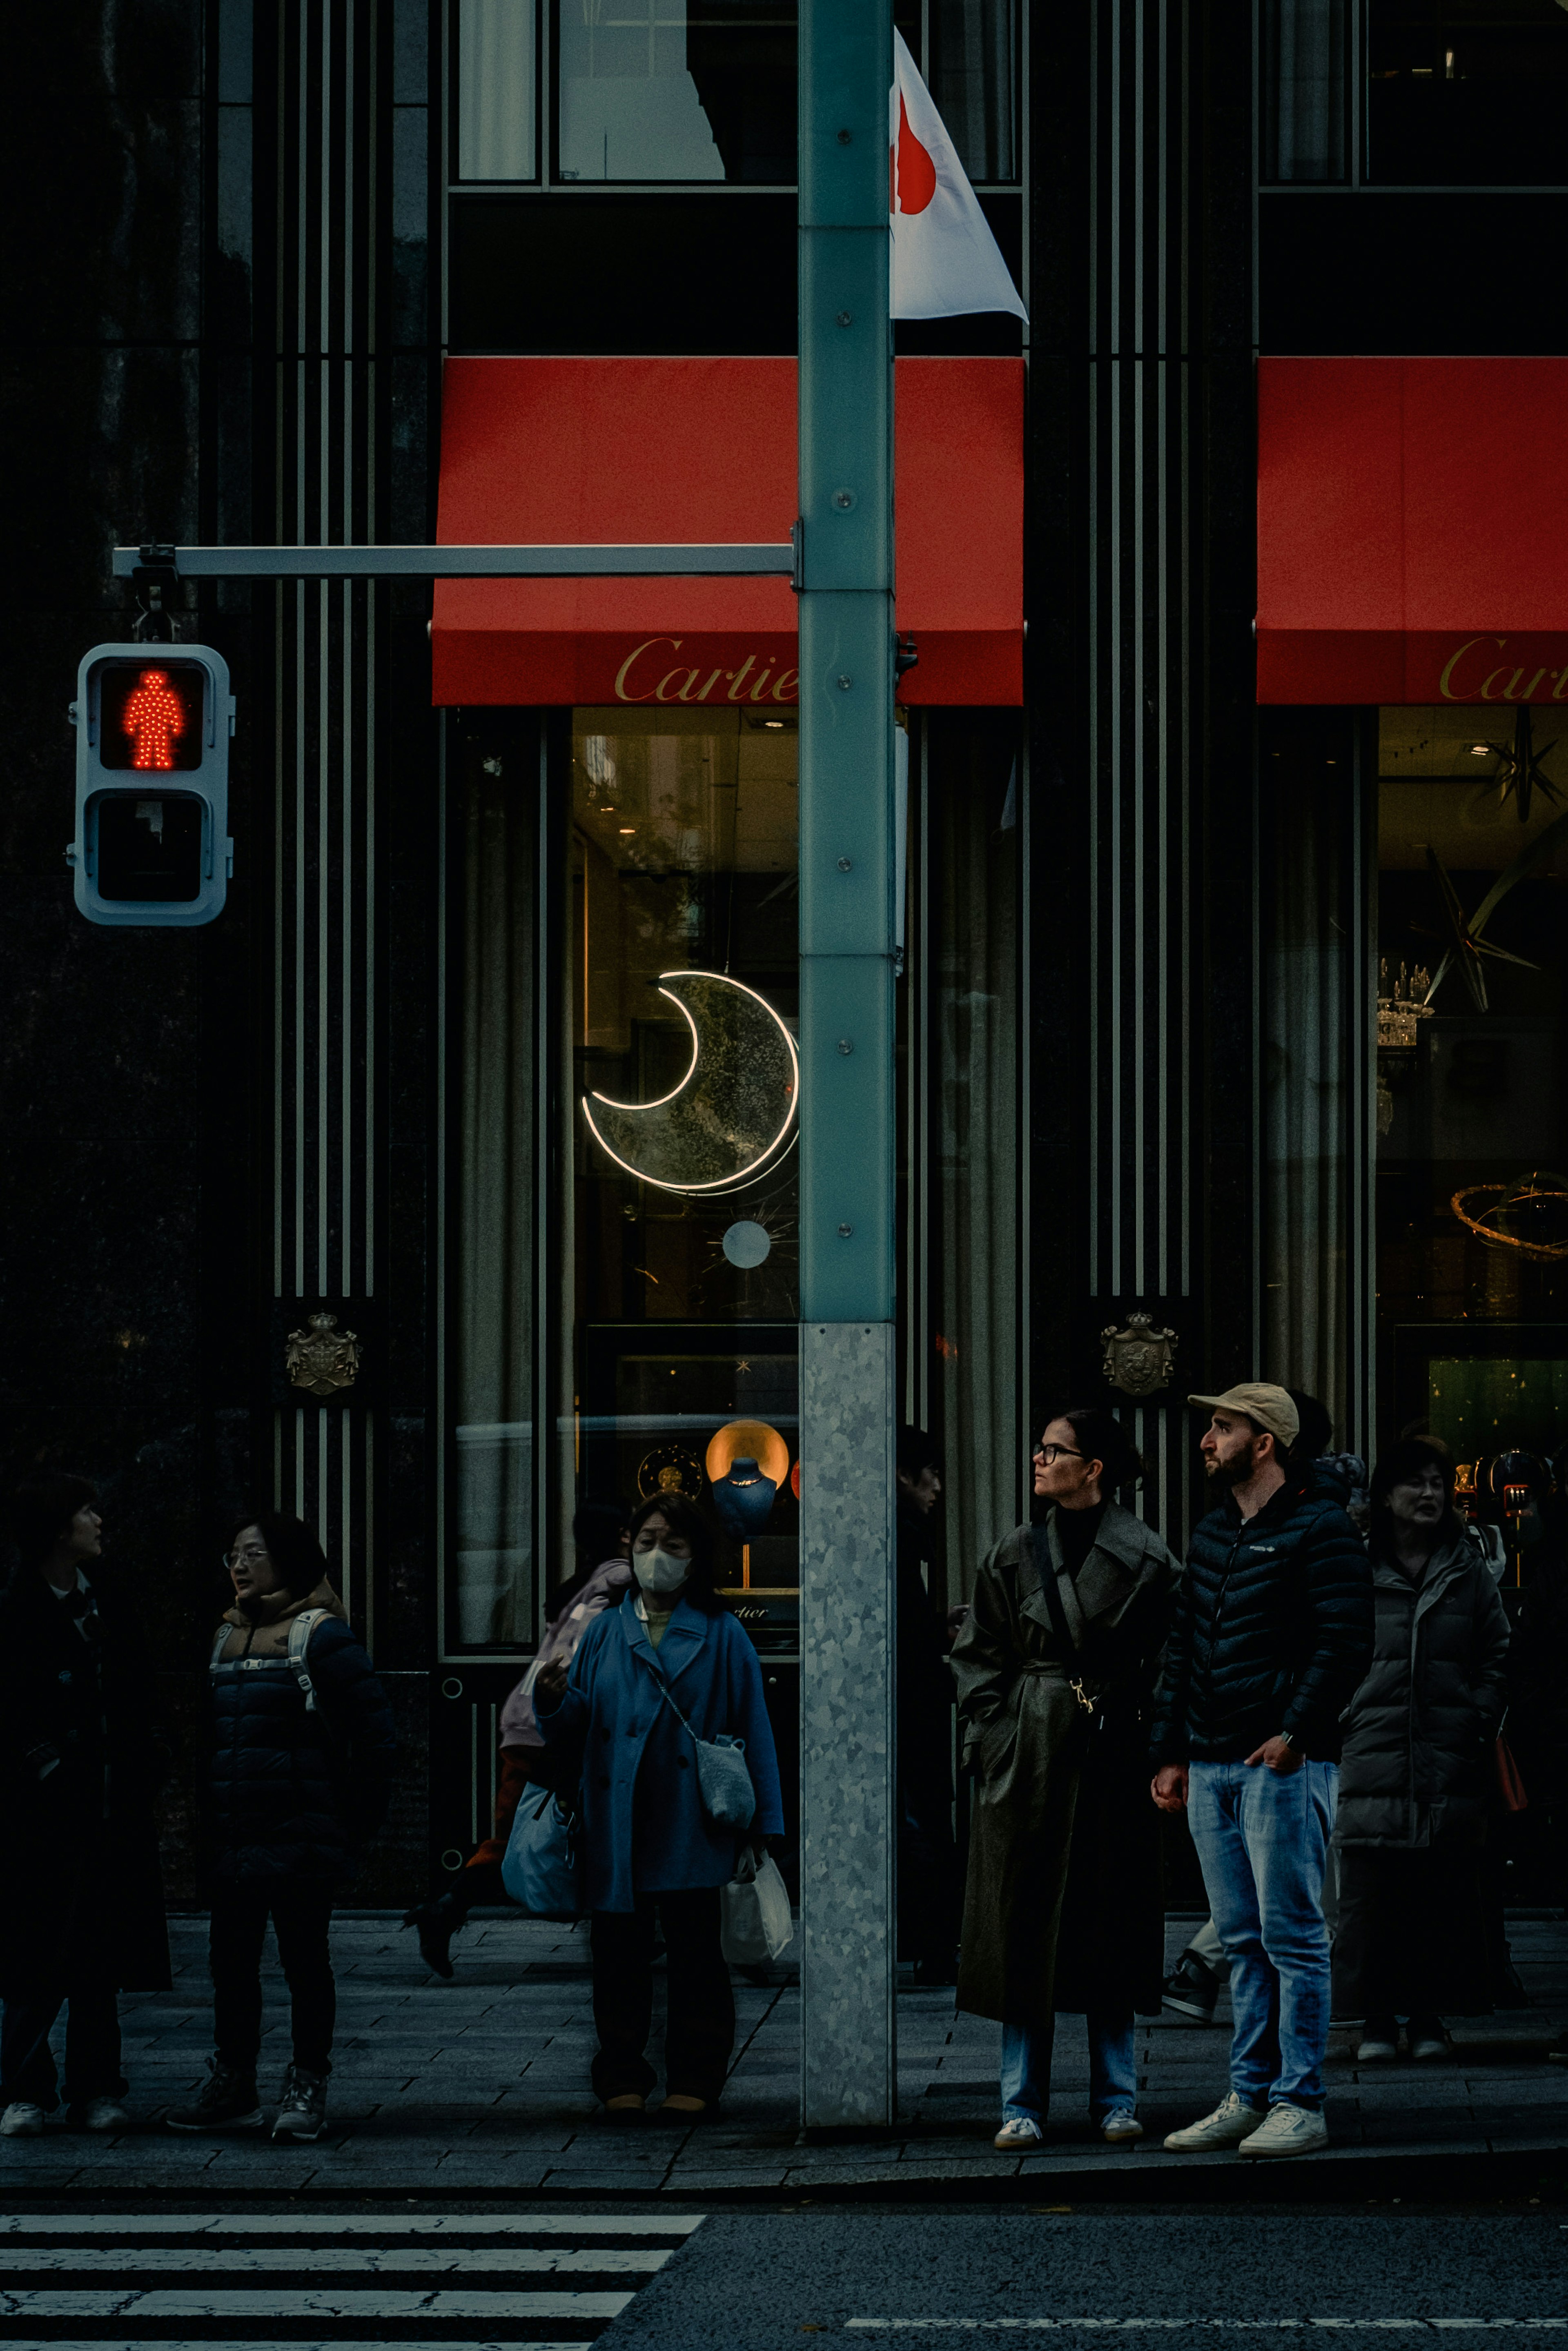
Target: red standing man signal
point(153, 716)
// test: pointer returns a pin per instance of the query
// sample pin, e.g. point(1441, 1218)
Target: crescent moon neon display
point(732, 1115)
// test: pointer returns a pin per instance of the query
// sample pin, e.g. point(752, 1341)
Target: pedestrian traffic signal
point(152, 844)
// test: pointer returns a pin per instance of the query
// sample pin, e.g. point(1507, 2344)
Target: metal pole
point(848, 1385)
point(587, 562)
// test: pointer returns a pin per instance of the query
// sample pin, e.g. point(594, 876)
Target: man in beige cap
point(1271, 1634)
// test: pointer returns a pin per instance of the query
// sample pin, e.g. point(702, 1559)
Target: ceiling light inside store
point(1481, 750)
point(775, 723)
point(628, 827)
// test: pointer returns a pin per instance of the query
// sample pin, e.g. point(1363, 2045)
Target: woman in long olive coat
point(1063, 1907)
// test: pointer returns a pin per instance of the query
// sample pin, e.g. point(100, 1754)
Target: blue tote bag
point(542, 1868)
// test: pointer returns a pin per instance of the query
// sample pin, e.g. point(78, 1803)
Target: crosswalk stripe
point(350, 2224)
point(179, 2281)
point(234, 2260)
point(178, 2302)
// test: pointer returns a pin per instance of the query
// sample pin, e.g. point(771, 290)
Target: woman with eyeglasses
point(1056, 1667)
point(299, 1778)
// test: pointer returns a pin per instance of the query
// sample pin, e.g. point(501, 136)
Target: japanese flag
point(945, 259)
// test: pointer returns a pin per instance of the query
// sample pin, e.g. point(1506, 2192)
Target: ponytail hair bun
point(1102, 1437)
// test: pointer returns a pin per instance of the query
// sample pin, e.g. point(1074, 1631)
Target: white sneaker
point(1426, 2046)
point(22, 2119)
point(1376, 2052)
point(104, 2115)
point(1231, 2121)
point(1287, 2130)
point(1119, 2127)
point(1019, 2134)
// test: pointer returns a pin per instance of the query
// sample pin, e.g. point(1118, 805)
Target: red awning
point(623, 450)
point(1413, 530)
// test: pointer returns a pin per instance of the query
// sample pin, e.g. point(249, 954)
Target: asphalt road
point(902, 2278)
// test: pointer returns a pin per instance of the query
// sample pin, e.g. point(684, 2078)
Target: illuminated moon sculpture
point(734, 1113)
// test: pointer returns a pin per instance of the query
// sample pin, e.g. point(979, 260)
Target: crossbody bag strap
point(1039, 1540)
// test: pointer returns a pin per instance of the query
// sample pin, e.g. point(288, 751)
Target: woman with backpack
point(300, 1769)
point(667, 1667)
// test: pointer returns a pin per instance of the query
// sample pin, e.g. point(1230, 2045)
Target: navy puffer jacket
point(1272, 1630)
point(295, 1791)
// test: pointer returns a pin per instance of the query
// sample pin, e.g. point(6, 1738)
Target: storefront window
point(1473, 963)
point(678, 1268)
point(495, 104)
point(1465, 93)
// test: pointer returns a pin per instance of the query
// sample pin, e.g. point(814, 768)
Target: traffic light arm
point(770, 558)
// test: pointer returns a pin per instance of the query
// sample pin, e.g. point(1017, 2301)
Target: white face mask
point(660, 1571)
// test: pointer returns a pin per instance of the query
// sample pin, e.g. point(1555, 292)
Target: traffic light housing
point(152, 845)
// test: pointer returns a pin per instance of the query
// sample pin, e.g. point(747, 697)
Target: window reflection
point(651, 91)
point(973, 75)
point(495, 109)
point(1305, 46)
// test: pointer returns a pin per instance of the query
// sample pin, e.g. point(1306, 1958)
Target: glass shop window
point(1472, 1204)
point(973, 74)
point(1465, 93)
point(497, 104)
point(650, 89)
point(1306, 91)
point(495, 1334)
point(677, 1269)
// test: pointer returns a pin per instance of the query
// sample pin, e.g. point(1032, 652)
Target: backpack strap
point(299, 1631)
point(219, 1644)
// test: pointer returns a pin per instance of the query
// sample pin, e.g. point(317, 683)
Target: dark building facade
point(1151, 872)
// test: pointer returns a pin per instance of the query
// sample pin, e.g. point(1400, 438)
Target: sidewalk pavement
point(480, 2086)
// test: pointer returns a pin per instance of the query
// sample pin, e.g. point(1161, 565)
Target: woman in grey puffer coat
point(1416, 1765)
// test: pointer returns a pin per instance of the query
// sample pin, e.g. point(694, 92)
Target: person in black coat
point(301, 1772)
point(1416, 1771)
point(80, 1766)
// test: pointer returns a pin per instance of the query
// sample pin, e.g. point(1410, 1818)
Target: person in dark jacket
point(1271, 1633)
point(1056, 1667)
point(599, 1531)
point(648, 1844)
point(79, 1767)
point(927, 1927)
point(299, 1777)
point(1413, 1786)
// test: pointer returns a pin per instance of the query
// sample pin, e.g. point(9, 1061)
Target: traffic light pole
point(848, 1376)
point(840, 560)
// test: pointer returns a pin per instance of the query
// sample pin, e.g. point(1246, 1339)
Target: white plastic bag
point(756, 1922)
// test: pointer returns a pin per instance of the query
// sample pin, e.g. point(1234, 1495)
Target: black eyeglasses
point(1050, 1453)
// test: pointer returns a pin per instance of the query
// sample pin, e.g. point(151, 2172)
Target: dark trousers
point(301, 1913)
point(699, 2030)
point(1412, 1938)
point(92, 2045)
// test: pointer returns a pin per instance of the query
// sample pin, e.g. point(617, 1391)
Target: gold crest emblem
point(1138, 1360)
point(321, 1359)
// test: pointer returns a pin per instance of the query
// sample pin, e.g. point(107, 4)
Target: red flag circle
point(916, 173)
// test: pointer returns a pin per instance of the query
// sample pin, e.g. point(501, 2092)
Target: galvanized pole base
point(847, 1390)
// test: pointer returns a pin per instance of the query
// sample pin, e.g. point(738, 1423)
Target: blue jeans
point(1113, 2067)
point(1262, 1839)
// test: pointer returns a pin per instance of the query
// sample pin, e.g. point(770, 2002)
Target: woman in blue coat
point(648, 1847)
